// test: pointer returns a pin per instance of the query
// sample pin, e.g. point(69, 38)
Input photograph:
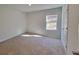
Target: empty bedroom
point(36, 29)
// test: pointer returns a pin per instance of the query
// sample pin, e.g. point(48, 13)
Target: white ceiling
point(33, 7)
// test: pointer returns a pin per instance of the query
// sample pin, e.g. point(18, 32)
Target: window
point(51, 22)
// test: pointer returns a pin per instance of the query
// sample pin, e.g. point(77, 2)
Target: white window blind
point(51, 22)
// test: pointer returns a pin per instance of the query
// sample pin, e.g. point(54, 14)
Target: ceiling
point(33, 7)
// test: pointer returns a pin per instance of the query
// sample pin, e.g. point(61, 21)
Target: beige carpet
point(32, 45)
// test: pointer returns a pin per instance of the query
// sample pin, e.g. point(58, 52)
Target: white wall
point(64, 25)
point(34, 7)
point(37, 22)
point(12, 23)
point(73, 28)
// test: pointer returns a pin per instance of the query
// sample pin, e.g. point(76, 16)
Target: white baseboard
point(9, 37)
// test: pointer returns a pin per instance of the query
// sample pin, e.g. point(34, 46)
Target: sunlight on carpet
point(28, 35)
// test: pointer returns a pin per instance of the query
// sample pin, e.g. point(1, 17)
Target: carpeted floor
point(32, 45)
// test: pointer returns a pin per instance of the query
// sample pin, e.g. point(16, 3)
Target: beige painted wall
point(12, 22)
point(72, 28)
point(37, 22)
point(78, 35)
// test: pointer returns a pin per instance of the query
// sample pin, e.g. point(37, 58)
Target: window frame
point(51, 21)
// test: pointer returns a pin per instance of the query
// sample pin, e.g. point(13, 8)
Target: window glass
point(51, 22)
